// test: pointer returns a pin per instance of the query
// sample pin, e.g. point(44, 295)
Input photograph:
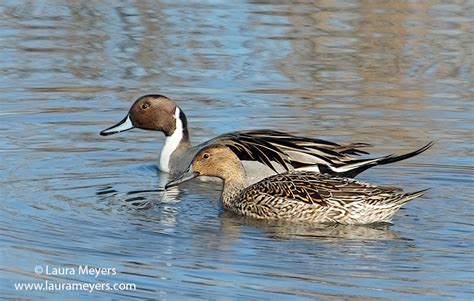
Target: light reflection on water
point(394, 74)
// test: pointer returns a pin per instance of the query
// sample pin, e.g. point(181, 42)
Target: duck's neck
point(176, 142)
point(232, 189)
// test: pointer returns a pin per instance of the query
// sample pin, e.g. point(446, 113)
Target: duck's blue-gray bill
point(185, 176)
point(124, 125)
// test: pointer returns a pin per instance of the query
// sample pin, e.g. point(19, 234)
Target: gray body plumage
point(264, 153)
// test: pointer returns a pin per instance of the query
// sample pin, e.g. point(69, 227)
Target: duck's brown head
point(214, 161)
point(150, 112)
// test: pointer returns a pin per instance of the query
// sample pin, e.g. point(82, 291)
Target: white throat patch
point(171, 143)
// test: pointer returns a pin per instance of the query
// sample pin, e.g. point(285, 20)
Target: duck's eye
point(145, 106)
point(205, 156)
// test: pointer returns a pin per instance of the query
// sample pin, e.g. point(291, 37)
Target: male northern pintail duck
point(296, 196)
point(262, 152)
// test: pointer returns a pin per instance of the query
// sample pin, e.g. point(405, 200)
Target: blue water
point(393, 74)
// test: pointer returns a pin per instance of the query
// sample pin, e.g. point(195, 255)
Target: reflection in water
point(320, 232)
point(391, 73)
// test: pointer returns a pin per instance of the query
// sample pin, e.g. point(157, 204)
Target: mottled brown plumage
point(296, 196)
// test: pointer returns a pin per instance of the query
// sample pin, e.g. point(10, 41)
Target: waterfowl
point(262, 152)
point(296, 196)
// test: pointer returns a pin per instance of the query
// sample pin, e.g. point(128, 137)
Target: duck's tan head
point(150, 112)
point(214, 161)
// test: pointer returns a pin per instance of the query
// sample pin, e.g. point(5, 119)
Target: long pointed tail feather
point(393, 158)
point(355, 167)
point(412, 195)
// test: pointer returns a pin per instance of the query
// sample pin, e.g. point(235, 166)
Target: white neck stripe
point(171, 143)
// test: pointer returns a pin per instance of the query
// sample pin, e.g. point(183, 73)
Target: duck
point(297, 196)
point(262, 152)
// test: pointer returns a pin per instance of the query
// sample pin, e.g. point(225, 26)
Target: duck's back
point(307, 196)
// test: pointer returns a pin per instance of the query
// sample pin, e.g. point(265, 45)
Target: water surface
point(394, 74)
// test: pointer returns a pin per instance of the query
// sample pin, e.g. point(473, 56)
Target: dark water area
point(394, 74)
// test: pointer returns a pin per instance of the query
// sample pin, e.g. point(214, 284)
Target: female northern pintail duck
point(296, 196)
point(262, 152)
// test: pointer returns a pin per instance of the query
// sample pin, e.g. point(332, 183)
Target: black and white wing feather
point(289, 152)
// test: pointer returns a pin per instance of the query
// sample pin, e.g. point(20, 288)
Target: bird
point(262, 152)
point(297, 196)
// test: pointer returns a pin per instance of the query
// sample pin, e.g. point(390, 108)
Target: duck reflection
point(232, 224)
